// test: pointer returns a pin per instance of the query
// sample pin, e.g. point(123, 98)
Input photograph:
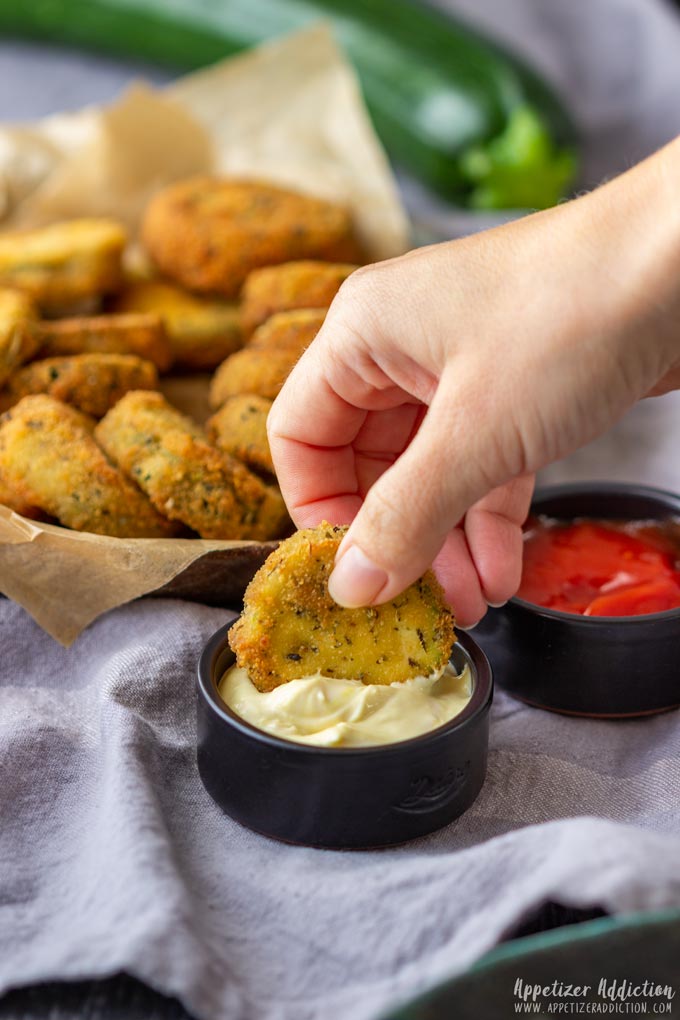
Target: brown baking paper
point(289, 112)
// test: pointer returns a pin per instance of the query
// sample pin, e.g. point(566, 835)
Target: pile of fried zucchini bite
point(231, 277)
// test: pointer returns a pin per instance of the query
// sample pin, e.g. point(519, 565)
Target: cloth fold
point(113, 857)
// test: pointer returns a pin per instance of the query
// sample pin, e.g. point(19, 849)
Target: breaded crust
point(140, 333)
point(18, 331)
point(294, 329)
point(305, 284)
point(263, 366)
point(91, 382)
point(201, 331)
point(10, 499)
point(252, 370)
point(63, 263)
point(240, 429)
point(291, 627)
point(208, 233)
point(49, 459)
point(170, 458)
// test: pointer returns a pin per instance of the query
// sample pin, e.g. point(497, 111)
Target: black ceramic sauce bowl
point(607, 666)
point(341, 798)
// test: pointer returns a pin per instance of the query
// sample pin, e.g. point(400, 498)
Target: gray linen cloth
point(112, 856)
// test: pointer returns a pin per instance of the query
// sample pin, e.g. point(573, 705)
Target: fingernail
point(471, 626)
point(355, 580)
point(497, 605)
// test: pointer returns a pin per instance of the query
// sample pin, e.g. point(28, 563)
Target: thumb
point(409, 511)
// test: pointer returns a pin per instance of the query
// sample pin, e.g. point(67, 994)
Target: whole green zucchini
point(460, 113)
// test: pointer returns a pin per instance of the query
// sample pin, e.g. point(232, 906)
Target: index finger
point(312, 429)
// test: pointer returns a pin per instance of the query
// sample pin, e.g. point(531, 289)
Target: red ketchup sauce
point(602, 568)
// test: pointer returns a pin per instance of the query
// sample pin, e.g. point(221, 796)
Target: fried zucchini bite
point(18, 336)
point(139, 333)
point(64, 263)
point(294, 329)
point(252, 371)
point(12, 501)
point(291, 627)
point(49, 459)
point(240, 429)
point(91, 382)
point(201, 331)
point(263, 366)
point(209, 233)
point(184, 477)
point(306, 284)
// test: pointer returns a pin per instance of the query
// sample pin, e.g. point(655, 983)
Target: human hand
point(443, 379)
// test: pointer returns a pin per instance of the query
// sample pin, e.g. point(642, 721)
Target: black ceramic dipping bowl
point(608, 666)
point(341, 798)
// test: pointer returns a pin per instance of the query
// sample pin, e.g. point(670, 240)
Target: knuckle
point(358, 291)
point(358, 279)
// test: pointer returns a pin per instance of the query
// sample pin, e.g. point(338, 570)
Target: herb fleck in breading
point(240, 429)
point(91, 382)
point(188, 480)
point(291, 627)
point(208, 233)
point(50, 460)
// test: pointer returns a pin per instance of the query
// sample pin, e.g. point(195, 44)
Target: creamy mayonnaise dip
point(331, 712)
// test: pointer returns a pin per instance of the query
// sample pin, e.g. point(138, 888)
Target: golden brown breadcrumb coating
point(18, 331)
point(10, 499)
point(91, 382)
point(254, 371)
point(63, 263)
point(240, 429)
point(305, 284)
point(185, 477)
point(201, 331)
point(50, 460)
point(208, 233)
point(291, 627)
point(140, 333)
point(263, 366)
point(294, 329)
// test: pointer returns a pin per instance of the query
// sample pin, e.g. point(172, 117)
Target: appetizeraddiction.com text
point(610, 997)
